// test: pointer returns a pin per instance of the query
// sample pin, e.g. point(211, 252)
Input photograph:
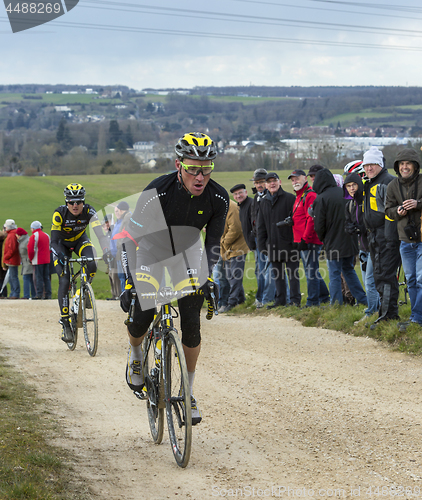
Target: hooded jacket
point(303, 227)
point(39, 247)
point(396, 196)
point(355, 224)
point(276, 242)
point(11, 256)
point(329, 221)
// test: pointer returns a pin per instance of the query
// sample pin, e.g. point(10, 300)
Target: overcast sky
point(167, 43)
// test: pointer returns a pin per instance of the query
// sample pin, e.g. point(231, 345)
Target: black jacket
point(355, 224)
point(276, 242)
point(255, 211)
point(329, 210)
point(246, 220)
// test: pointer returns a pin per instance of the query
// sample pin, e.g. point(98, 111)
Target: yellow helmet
point(74, 192)
point(196, 146)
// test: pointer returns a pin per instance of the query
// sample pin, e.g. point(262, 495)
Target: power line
point(248, 18)
point(201, 34)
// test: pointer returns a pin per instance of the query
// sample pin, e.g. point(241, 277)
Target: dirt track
point(284, 407)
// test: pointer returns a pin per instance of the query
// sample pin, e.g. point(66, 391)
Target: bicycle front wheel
point(73, 317)
point(90, 320)
point(178, 399)
point(154, 386)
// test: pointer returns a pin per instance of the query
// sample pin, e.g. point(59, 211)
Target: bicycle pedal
point(143, 395)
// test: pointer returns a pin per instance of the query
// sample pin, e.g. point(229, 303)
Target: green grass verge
point(342, 319)
point(31, 468)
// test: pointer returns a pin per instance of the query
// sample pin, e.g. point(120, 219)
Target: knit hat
point(10, 224)
point(36, 225)
point(373, 156)
point(123, 205)
point(20, 231)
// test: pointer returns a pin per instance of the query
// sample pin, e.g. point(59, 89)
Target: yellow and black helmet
point(196, 146)
point(74, 192)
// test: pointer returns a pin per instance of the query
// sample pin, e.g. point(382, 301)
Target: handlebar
point(83, 260)
point(167, 294)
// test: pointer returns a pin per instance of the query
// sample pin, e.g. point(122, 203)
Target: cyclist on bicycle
point(188, 198)
point(68, 234)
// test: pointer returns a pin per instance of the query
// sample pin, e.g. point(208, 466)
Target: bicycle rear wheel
point(154, 386)
point(90, 320)
point(178, 399)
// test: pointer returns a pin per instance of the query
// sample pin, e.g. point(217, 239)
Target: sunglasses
point(74, 202)
point(195, 170)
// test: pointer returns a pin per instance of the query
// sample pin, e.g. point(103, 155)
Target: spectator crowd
point(368, 217)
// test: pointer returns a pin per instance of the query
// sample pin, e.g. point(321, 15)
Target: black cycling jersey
point(180, 208)
point(69, 228)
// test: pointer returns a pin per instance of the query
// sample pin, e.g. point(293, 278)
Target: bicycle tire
point(178, 399)
point(73, 318)
point(155, 406)
point(90, 320)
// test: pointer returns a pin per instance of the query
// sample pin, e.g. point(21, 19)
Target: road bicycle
point(165, 373)
point(82, 306)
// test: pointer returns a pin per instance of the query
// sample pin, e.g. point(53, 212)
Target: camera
point(288, 221)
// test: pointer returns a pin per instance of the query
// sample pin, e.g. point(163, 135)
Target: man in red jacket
point(307, 241)
point(39, 255)
point(12, 258)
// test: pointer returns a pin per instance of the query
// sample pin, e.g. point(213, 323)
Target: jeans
point(15, 288)
point(317, 289)
point(235, 268)
point(371, 290)
point(269, 287)
point(28, 286)
point(219, 276)
point(42, 281)
point(411, 257)
point(264, 278)
point(280, 270)
point(345, 265)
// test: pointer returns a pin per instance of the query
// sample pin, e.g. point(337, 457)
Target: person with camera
point(340, 247)
point(383, 239)
point(404, 204)
point(304, 236)
point(275, 239)
point(355, 226)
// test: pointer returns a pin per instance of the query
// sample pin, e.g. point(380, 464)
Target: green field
point(54, 99)
point(346, 119)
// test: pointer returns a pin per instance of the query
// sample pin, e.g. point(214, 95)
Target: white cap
point(373, 156)
point(10, 224)
point(36, 225)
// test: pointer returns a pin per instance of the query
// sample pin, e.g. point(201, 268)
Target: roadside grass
point(342, 319)
point(30, 467)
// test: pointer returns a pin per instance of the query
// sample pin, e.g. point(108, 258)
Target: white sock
point(136, 351)
point(191, 377)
